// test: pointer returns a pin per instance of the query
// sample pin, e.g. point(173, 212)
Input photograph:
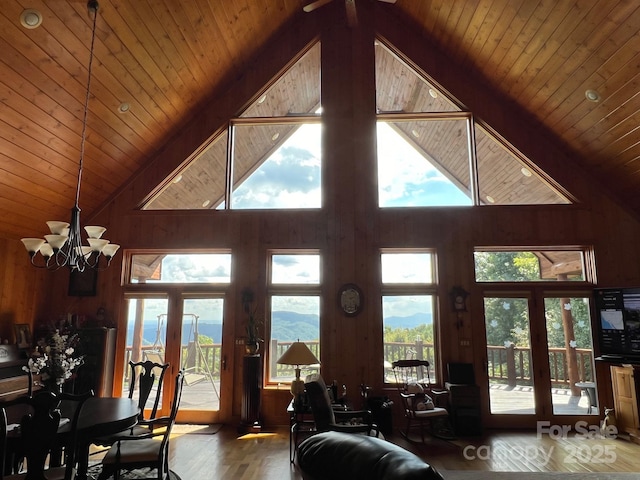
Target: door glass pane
point(146, 334)
point(509, 369)
point(573, 388)
point(201, 353)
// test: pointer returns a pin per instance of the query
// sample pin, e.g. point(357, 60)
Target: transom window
point(535, 265)
point(180, 268)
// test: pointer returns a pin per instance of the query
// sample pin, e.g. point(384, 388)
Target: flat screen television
point(618, 321)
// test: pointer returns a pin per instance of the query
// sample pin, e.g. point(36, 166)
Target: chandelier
point(63, 247)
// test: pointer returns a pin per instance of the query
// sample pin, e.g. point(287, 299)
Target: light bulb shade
point(32, 245)
point(110, 249)
point(97, 244)
point(58, 228)
point(298, 354)
point(46, 251)
point(56, 241)
point(94, 231)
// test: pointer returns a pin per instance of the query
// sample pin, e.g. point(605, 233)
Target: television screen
point(618, 319)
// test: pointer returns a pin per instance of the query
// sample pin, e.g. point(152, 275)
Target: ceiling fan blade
point(311, 6)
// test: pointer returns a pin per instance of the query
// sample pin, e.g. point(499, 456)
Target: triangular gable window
point(272, 166)
point(426, 151)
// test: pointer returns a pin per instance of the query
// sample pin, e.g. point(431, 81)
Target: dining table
point(99, 416)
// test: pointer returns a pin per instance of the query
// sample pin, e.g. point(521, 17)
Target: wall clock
point(350, 299)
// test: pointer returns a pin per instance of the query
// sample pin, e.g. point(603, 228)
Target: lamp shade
point(298, 354)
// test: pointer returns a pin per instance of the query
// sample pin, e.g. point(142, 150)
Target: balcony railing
point(510, 365)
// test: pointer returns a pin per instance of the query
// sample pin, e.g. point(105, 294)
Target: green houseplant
point(254, 322)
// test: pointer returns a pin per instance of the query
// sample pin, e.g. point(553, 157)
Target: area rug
point(182, 429)
point(94, 471)
point(484, 475)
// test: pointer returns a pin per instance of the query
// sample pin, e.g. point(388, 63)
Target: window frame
point(414, 289)
point(292, 290)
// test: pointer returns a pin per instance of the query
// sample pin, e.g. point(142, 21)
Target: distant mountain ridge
point(287, 327)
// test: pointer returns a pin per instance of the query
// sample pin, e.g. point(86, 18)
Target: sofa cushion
point(343, 456)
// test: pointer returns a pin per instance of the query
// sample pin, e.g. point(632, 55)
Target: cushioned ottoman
point(344, 456)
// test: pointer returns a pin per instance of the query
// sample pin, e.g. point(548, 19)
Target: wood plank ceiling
point(164, 58)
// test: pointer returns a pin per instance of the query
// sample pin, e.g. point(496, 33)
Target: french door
point(185, 331)
point(538, 357)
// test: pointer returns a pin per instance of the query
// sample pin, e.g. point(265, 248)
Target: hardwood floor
point(225, 454)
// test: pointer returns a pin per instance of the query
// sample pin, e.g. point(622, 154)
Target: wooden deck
point(520, 401)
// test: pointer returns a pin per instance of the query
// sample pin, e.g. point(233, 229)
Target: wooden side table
point(300, 421)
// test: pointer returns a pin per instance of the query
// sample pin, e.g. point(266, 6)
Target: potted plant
point(253, 340)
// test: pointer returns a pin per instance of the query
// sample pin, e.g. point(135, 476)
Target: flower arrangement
point(55, 359)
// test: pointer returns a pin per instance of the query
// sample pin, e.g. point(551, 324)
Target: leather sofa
point(345, 456)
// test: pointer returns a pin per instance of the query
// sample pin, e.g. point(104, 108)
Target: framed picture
point(23, 335)
point(83, 284)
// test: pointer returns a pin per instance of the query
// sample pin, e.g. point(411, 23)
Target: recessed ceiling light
point(525, 171)
point(206, 203)
point(177, 179)
point(433, 93)
point(30, 18)
point(262, 99)
point(124, 107)
point(592, 95)
point(490, 199)
point(275, 136)
point(415, 133)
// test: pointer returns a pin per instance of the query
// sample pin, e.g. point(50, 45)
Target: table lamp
point(297, 354)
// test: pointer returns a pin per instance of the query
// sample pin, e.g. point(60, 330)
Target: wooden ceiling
point(165, 58)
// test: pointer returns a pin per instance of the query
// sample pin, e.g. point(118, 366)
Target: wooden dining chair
point(145, 386)
point(150, 450)
point(67, 438)
point(36, 435)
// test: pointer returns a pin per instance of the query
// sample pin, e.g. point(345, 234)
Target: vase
point(252, 347)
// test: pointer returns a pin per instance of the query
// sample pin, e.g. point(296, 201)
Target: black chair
point(423, 407)
point(146, 380)
point(328, 418)
point(67, 439)
point(150, 450)
point(36, 435)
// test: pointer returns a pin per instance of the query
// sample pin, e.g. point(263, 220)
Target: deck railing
point(510, 365)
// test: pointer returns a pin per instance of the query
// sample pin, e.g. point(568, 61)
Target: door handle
point(224, 362)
